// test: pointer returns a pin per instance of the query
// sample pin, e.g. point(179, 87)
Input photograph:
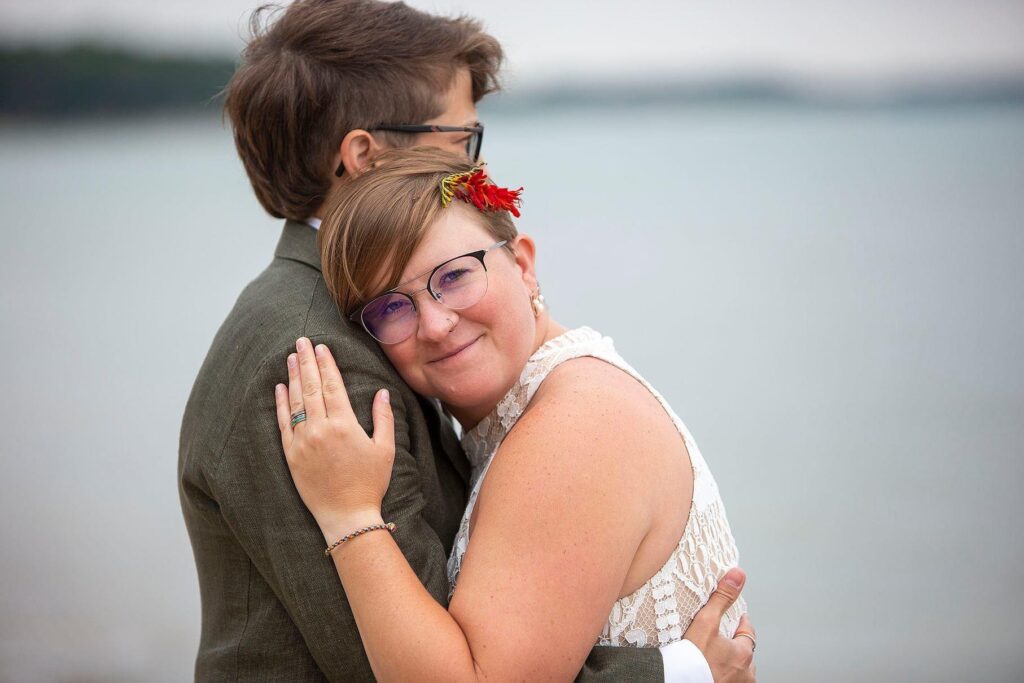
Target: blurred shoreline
point(91, 80)
point(831, 299)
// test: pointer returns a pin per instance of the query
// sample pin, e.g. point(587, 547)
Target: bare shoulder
point(600, 398)
point(590, 414)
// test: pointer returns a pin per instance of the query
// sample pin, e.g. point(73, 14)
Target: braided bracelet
point(390, 526)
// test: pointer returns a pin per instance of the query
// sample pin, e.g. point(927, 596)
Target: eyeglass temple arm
point(428, 128)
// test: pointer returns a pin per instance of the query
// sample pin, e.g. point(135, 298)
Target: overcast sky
point(862, 39)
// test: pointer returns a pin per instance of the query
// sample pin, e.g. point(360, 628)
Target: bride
point(592, 519)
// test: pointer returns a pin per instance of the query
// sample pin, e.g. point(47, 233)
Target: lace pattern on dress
point(658, 612)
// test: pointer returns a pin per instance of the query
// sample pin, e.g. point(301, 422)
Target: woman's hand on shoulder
point(341, 473)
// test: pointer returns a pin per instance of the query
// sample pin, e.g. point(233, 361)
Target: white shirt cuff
point(684, 663)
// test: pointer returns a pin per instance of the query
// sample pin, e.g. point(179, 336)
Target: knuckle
point(310, 389)
point(331, 386)
point(727, 592)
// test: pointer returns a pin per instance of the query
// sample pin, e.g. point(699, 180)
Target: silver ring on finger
point(747, 635)
point(298, 416)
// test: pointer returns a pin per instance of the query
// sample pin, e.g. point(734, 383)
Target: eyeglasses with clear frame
point(473, 145)
point(457, 283)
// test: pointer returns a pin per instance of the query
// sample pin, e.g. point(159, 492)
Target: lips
point(455, 351)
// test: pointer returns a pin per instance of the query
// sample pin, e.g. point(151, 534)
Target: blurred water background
point(832, 300)
point(829, 290)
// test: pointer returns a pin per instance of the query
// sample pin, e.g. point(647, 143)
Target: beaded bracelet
point(390, 526)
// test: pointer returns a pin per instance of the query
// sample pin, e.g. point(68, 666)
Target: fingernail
point(300, 343)
point(278, 389)
point(731, 580)
point(320, 349)
point(293, 360)
point(385, 395)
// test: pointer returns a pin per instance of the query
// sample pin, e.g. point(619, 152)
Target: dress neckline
point(482, 440)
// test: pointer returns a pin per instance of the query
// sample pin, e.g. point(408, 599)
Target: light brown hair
point(374, 221)
point(318, 69)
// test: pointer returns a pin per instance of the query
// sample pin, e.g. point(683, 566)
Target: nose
point(436, 320)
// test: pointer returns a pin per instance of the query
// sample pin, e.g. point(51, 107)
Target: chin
point(476, 393)
point(470, 394)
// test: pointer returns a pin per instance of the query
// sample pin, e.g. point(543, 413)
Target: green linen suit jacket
point(273, 608)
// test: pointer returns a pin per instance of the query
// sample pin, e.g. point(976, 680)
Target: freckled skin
point(501, 326)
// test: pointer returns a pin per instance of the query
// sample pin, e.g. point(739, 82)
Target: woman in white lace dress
point(592, 518)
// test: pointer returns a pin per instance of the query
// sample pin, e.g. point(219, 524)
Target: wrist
point(342, 525)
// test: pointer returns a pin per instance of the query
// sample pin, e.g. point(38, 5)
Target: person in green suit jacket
point(323, 86)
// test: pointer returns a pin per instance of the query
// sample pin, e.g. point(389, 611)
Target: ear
point(525, 257)
point(357, 150)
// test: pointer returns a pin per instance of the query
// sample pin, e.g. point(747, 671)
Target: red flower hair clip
point(475, 188)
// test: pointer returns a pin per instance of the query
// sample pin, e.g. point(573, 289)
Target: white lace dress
point(658, 612)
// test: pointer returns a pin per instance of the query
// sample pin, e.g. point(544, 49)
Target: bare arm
point(548, 539)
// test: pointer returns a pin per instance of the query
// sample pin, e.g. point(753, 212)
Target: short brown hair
point(318, 69)
point(374, 221)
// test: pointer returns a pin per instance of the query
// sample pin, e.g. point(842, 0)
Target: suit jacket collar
point(298, 243)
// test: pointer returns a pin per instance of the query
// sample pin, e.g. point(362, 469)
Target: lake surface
point(832, 301)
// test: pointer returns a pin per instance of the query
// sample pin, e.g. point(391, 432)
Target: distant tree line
point(92, 80)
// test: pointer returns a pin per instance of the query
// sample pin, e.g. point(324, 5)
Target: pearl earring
point(537, 302)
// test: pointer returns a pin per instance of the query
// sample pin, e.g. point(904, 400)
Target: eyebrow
point(414, 278)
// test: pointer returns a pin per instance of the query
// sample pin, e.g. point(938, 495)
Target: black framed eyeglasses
point(473, 144)
point(457, 283)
